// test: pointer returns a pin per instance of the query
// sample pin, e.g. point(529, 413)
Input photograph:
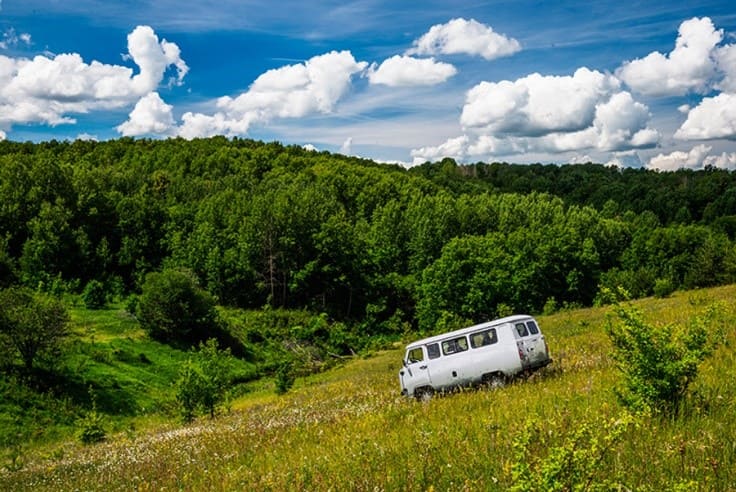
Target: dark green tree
point(32, 325)
point(173, 308)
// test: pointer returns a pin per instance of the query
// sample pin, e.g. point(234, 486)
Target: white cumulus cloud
point(407, 71)
point(292, 91)
point(461, 36)
point(151, 115)
point(536, 104)
point(726, 61)
point(696, 158)
point(723, 161)
point(714, 117)
point(457, 148)
point(49, 89)
point(690, 66)
point(585, 111)
point(629, 158)
point(692, 159)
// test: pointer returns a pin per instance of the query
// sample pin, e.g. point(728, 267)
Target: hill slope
point(348, 429)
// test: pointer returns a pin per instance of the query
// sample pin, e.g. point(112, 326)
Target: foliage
point(32, 325)
point(284, 377)
point(372, 244)
point(659, 362)
point(173, 308)
point(94, 295)
point(349, 429)
point(663, 287)
point(204, 381)
point(573, 465)
point(91, 427)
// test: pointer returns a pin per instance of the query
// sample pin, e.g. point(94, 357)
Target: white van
point(488, 353)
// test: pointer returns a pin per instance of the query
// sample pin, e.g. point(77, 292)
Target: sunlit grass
point(349, 429)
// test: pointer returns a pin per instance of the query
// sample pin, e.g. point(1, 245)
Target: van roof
point(469, 329)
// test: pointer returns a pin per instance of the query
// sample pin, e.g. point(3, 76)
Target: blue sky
point(633, 84)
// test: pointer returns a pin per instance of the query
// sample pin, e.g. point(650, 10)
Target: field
point(349, 429)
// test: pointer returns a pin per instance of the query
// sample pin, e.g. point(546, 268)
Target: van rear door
point(532, 344)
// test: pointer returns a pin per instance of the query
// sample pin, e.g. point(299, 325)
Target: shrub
point(204, 381)
point(658, 363)
point(550, 306)
point(94, 295)
point(174, 308)
point(574, 464)
point(664, 287)
point(91, 427)
point(285, 377)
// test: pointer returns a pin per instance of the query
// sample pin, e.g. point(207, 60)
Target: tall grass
point(349, 429)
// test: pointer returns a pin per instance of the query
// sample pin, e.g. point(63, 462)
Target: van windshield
point(415, 355)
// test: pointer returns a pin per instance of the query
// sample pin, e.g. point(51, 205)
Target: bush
point(91, 427)
point(94, 295)
point(285, 377)
point(664, 287)
point(174, 308)
point(204, 381)
point(658, 363)
point(575, 464)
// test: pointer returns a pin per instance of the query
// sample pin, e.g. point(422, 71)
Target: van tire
point(495, 380)
point(424, 393)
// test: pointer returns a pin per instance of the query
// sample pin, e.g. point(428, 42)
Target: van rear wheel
point(424, 394)
point(495, 380)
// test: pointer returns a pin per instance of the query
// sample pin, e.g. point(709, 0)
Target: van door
point(537, 348)
point(531, 343)
point(415, 373)
point(521, 333)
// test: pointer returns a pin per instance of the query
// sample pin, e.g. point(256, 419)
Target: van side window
point(483, 338)
point(521, 329)
point(415, 355)
point(433, 350)
point(532, 327)
point(455, 345)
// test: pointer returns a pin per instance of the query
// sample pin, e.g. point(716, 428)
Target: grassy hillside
point(349, 429)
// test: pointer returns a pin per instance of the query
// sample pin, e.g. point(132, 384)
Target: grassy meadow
point(349, 428)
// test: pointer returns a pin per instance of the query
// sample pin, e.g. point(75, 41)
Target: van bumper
point(541, 364)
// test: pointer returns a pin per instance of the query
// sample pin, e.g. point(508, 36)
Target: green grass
point(109, 359)
point(349, 429)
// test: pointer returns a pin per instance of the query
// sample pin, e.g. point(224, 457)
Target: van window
point(532, 327)
point(415, 355)
point(455, 345)
point(483, 338)
point(433, 350)
point(521, 329)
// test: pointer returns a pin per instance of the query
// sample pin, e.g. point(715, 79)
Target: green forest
point(378, 247)
point(294, 259)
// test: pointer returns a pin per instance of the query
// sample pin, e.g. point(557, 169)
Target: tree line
point(379, 247)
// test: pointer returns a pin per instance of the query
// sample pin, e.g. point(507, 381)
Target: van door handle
point(422, 367)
